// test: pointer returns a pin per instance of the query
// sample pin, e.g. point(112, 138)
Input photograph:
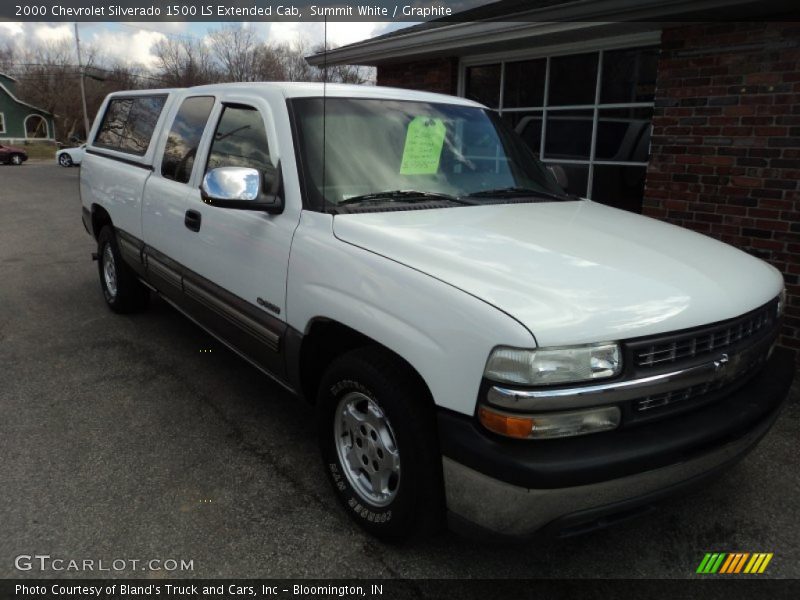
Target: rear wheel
point(16, 159)
point(378, 440)
point(65, 160)
point(122, 290)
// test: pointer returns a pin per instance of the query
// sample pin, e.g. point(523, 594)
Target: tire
point(65, 160)
point(372, 409)
point(16, 160)
point(122, 290)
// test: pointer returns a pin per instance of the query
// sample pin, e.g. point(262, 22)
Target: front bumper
point(517, 487)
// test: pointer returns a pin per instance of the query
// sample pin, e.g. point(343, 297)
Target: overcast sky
point(133, 42)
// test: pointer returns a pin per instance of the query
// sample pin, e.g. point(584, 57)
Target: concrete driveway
point(142, 438)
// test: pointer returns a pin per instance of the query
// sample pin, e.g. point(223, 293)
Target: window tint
point(129, 123)
point(629, 75)
point(184, 138)
point(573, 79)
point(241, 141)
point(524, 83)
point(623, 134)
point(569, 134)
point(529, 126)
point(483, 85)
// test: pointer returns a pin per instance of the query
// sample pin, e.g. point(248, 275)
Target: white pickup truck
point(480, 348)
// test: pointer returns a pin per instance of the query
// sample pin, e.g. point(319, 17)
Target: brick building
point(644, 106)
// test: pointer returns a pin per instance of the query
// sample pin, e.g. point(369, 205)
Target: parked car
point(479, 347)
point(69, 157)
point(12, 155)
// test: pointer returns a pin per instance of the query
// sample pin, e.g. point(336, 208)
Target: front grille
point(705, 341)
point(676, 396)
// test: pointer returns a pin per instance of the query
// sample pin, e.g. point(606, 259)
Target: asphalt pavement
point(140, 437)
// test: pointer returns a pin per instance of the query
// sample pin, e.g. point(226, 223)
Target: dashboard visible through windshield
point(361, 154)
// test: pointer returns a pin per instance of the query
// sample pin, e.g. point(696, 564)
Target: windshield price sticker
point(423, 149)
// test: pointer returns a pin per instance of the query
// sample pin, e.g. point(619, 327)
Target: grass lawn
point(47, 151)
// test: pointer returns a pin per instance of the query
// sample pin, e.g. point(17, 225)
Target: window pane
point(241, 141)
point(141, 122)
point(184, 138)
point(619, 186)
point(569, 134)
point(577, 178)
point(624, 134)
point(524, 83)
point(573, 79)
point(629, 75)
point(113, 124)
point(483, 85)
point(529, 126)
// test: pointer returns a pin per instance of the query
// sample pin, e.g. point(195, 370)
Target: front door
point(236, 261)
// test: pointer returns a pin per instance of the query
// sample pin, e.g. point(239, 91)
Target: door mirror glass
point(242, 188)
point(231, 183)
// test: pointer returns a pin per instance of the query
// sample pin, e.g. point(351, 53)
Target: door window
point(184, 138)
point(240, 140)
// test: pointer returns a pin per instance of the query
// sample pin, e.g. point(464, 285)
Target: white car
point(479, 347)
point(69, 157)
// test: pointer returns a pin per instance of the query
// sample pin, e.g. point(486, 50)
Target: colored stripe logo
point(732, 563)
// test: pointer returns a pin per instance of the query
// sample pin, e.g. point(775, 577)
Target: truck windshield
point(374, 153)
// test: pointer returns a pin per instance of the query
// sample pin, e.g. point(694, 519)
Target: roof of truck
point(305, 89)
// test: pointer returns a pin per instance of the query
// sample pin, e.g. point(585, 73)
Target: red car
point(12, 155)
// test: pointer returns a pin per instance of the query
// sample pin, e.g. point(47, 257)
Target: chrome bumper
point(481, 504)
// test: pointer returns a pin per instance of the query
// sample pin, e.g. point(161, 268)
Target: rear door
point(168, 192)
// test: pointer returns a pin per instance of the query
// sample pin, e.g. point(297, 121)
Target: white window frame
point(651, 38)
point(2, 122)
point(46, 127)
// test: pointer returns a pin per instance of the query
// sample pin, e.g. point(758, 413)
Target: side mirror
point(241, 188)
point(560, 175)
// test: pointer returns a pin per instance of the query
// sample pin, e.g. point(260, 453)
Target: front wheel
point(122, 290)
point(65, 160)
point(378, 440)
point(16, 160)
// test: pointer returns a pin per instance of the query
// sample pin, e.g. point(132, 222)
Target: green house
point(20, 121)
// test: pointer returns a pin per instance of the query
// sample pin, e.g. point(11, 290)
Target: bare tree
point(236, 50)
point(6, 57)
point(185, 62)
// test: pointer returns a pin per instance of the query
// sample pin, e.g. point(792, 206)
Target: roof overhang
point(586, 16)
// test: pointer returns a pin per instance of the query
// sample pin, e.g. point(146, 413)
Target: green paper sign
point(423, 149)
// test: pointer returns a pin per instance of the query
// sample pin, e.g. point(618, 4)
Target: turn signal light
point(508, 425)
point(550, 425)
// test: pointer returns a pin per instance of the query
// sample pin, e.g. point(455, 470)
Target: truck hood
point(572, 272)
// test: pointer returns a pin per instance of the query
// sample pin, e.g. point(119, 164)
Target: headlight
point(544, 366)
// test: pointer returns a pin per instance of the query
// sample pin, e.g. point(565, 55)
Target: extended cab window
point(184, 138)
point(241, 141)
point(129, 123)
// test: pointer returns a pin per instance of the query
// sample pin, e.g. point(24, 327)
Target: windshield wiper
point(399, 196)
point(517, 192)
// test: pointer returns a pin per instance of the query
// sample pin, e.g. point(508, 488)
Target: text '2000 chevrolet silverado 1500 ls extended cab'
point(477, 344)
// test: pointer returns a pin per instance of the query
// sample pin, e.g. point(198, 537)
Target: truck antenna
point(324, 107)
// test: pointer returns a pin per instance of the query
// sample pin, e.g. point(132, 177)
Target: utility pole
point(83, 86)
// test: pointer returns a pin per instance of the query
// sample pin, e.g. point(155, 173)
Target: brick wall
point(726, 142)
point(435, 75)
